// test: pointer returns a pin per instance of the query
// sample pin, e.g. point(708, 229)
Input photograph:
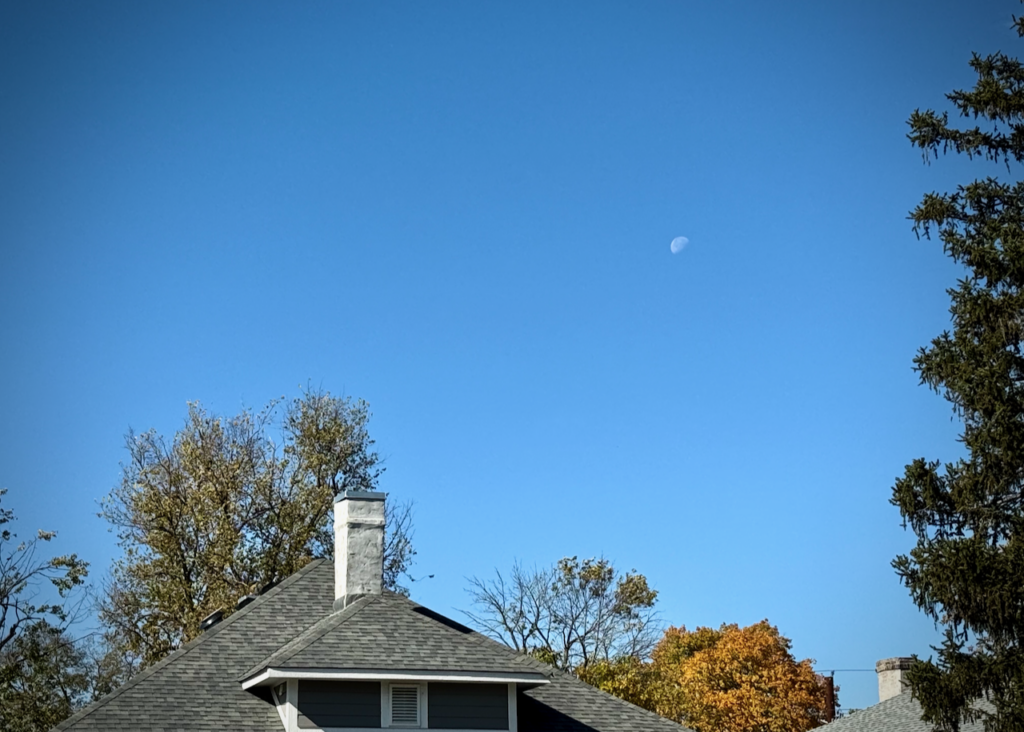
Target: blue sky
point(461, 212)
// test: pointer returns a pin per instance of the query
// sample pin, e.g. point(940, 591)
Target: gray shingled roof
point(198, 688)
point(899, 714)
point(375, 632)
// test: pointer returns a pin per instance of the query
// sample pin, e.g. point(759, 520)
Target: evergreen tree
point(967, 570)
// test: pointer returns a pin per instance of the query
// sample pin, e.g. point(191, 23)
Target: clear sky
point(462, 213)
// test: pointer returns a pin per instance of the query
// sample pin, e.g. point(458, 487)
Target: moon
point(678, 243)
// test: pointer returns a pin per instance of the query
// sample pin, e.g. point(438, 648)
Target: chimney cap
point(360, 495)
point(897, 663)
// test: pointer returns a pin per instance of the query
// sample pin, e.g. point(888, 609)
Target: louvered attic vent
point(405, 706)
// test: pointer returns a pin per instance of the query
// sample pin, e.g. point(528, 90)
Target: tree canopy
point(45, 676)
point(41, 667)
point(731, 679)
point(224, 509)
point(23, 577)
point(570, 615)
point(741, 680)
point(968, 514)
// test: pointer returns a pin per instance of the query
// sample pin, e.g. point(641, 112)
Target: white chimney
point(358, 546)
point(892, 673)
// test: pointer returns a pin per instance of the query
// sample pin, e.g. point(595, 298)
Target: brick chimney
point(829, 684)
point(891, 674)
point(358, 546)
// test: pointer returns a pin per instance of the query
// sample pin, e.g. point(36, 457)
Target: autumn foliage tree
point(42, 679)
point(223, 509)
point(740, 680)
point(727, 680)
point(637, 681)
point(45, 676)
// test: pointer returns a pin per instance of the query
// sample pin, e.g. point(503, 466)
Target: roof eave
point(271, 676)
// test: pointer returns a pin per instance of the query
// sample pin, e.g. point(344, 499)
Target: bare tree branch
point(570, 615)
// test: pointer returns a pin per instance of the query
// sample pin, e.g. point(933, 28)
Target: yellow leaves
point(637, 682)
point(632, 591)
point(224, 507)
point(740, 680)
point(729, 679)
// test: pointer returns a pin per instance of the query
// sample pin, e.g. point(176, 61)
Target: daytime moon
point(678, 243)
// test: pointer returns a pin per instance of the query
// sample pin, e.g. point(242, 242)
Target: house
point(896, 711)
point(329, 649)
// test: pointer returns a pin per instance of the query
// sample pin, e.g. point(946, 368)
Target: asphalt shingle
point(195, 688)
point(901, 713)
point(198, 688)
point(391, 632)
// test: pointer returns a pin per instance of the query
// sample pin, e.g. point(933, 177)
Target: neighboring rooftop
point(900, 713)
point(896, 711)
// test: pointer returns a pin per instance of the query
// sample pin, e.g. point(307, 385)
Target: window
point(405, 705)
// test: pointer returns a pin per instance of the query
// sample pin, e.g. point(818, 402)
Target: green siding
point(339, 704)
point(467, 706)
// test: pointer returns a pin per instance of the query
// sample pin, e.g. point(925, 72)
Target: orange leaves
point(731, 679)
point(739, 680)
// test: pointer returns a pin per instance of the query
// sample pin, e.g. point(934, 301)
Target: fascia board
point(272, 675)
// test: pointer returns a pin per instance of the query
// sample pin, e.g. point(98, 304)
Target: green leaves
point(44, 678)
point(41, 674)
point(21, 577)
point(229, 505)
point(968, 515)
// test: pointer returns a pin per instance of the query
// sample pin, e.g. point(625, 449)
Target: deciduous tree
point(738, 680)
point(727, 680)
point(224, 509)
point(45, 676)
point(40, 683)
point(24, 577)
point(570, 615)
point(638, 682)
point(968, 514)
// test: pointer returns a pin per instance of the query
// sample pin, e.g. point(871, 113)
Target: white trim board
point(276, 675)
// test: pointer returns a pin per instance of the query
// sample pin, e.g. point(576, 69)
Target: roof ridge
point(185, 649)
point(880, 708)
point(338, 618)
point(484, 640)
point(544, 668)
